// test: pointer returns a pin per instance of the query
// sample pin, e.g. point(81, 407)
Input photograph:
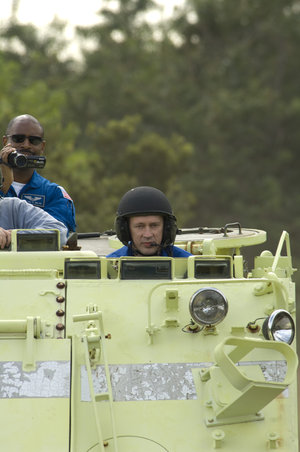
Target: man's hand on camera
point(7, 172)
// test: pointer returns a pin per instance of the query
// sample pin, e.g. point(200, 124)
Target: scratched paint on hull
point(159, 381)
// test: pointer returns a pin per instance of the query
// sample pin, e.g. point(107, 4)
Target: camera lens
point(17, 160)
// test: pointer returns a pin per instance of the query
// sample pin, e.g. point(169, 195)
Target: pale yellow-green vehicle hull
point(94, 357)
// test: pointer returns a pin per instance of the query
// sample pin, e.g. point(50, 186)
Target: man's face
point(146, 231)
point(25, 129)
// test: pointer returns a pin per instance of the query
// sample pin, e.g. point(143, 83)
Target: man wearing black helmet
point(145, 224)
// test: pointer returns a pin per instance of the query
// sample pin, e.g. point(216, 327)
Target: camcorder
point(18, 160)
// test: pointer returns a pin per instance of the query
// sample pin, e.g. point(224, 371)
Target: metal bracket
point(92, 341)
point(30, 329)
point(232, 396)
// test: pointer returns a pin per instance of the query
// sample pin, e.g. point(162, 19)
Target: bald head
point(25, 135)
point(24, 118)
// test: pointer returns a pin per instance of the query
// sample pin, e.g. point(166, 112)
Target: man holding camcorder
point(22, 153)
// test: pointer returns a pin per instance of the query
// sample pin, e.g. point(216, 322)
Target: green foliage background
point(205, 106)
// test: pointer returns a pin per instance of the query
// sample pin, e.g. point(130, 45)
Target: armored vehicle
point(147, 354)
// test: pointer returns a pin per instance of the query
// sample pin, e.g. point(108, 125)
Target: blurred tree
point(34, 82)
point(219, 77)
point(120, 158)
point(120, 66)
point(239, 61)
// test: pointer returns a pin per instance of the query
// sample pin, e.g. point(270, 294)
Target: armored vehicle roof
point(195, 240)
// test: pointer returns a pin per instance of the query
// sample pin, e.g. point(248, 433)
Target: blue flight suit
point(48, 196)
point(171, 251)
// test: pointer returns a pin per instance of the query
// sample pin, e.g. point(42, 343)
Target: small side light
point(208, 306)
point(279, 326)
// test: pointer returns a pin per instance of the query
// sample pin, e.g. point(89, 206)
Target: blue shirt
point(48, 196)
point(171, 251)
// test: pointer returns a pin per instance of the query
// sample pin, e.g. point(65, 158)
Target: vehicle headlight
point(208, 306)
point(279, 326)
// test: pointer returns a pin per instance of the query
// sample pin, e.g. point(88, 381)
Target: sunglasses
point(20, 138)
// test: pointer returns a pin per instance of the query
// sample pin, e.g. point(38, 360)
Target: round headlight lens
point(279, 327)
point(208, 306)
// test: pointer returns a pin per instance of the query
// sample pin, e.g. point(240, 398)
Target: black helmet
point(145, 201)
